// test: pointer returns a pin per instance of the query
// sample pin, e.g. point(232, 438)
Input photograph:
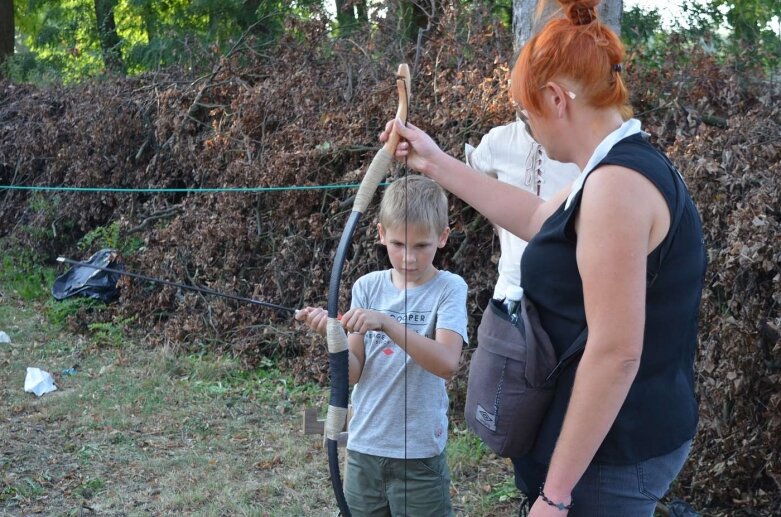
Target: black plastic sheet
point(90, 282)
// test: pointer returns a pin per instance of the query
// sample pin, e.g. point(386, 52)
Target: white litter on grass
point(4, 338)
point(38, 381)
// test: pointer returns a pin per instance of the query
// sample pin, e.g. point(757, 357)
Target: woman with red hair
point(620, 251)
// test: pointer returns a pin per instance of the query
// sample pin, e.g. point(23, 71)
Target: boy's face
point(411, 251)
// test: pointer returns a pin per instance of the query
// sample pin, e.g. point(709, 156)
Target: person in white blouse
point(510, 154)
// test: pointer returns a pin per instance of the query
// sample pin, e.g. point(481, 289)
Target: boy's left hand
point(315, 317)
point(361, 321)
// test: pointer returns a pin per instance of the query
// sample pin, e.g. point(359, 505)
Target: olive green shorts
point(378, 486)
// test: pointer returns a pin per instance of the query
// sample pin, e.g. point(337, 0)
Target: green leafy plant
point(58, 312)
point(504, 491)
point(110, 236)
point(91, 487)
point(110, 333)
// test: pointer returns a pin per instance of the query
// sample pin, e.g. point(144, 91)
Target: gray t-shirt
point(378, 399)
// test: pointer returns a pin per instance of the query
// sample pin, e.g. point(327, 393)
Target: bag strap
point(579, 343)
point(574, 349)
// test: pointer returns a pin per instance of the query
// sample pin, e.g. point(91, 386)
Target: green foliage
point(91, 487)
point(27, 66)
point(222, 376)
point(62, 36)
point(105, 236)
point(43, 208)
point(42, 204)
point(23, 274)
point(640, 26)
point(88, 452)
point(752, 39)
point(735, 33)
point(60, 40)
point(504, 491)
point(503, 11)
point(58, 312)
point(24, 489)
point(111, 333)
point(112, 237)
point(465, 447)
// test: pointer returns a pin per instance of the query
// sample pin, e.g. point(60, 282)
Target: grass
point(22, 277)
point(139, 431)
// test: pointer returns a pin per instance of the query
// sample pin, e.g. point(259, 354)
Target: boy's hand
point(315, 317)
point(360, 321)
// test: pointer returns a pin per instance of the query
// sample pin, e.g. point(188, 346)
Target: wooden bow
point(336, 337)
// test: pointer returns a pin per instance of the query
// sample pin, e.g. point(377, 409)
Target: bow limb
point(384, 157)
point(338, 354)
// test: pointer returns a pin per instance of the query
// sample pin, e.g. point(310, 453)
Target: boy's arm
point(357, 356)
point(439, 356)
point(317, 319)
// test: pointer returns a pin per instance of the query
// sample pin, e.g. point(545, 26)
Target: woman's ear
point(557, 98)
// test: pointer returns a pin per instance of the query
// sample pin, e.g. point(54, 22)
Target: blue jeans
point(611, 490)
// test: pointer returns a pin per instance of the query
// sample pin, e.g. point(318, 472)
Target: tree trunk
point(7, 31)
point(248, 15)
point(107, 32)
point(350, 15)
point(363, 12)
point(414, 15)
point(610, 11)
point(149, 18)
point(525, 22)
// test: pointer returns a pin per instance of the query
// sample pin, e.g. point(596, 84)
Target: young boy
point(407, 326)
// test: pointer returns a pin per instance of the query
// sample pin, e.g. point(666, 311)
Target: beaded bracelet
point(560, 506)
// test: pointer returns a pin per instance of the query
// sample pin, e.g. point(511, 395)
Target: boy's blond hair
point(414, 200)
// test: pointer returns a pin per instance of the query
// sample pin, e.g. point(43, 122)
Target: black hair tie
point(618, 68)
point(582, 15)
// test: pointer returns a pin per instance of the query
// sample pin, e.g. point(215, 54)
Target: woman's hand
point(315, 317)
point(419, 150)
point(360, 321)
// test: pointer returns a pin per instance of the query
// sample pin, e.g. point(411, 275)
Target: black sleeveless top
point(660, 411)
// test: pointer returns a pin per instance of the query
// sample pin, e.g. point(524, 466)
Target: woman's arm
point(621, 219)
point(514, 209)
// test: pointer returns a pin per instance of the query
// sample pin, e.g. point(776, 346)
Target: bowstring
point(405, 169)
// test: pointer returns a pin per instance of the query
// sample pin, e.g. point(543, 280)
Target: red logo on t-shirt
point(387, 351)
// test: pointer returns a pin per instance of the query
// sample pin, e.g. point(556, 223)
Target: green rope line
point(188, 190)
